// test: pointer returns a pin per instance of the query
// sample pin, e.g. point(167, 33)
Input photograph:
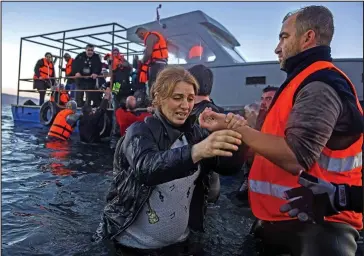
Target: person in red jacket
point(126, 116)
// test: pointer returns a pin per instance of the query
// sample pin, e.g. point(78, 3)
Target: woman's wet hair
point(167, 80)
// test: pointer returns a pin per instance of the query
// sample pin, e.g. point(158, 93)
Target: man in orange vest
point(64, 123)
point(71, 84)
point(43, 71)
point(314, 124)
point(155, 54)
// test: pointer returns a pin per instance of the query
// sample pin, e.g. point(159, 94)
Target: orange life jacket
point(46, 70)
point(69, 67)
point(267, 181)
point(195, 52)
point(116, 61)
point(63, 99)
point(60, 128)
point(143, 72)
point(160, 50)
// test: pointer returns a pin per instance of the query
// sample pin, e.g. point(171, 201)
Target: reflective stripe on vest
point(267, 181)
point(60, 128)
point(69, 67)
point(46, 71)
point(160, 50)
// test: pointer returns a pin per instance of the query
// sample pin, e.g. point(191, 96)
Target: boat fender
point(48, 112)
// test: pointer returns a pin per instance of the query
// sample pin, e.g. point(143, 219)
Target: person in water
point(158, 193)
point(64, 123)
point(91, 123)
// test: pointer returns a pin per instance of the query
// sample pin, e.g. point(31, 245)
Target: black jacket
point(93, 63)
point(144, 159)
point(198, 108)
point(91, 125)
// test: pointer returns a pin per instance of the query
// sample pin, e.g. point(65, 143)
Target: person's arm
point(152, 165)
point(226, 165)
point(309, 127)
point(72, 119)
point(37, 67)
point(150, 42)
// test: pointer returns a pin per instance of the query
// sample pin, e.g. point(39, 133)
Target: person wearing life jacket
point(64, 123)
point(195, 54)
point(70, 85)
point(43, 72)
point(156, 52)
point(315, 125)
point(87, 63)
point(59, 92)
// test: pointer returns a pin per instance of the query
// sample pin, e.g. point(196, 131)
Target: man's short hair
point(90, 46)
point(270, 89)
point(140, 29)
point(204, 77)
point(316, 18)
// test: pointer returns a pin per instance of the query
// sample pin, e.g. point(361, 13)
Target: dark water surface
point(53, 195)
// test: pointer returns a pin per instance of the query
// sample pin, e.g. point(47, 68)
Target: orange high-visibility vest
point(160, 50)
point(60, 128)
point(69, 67)
point(267, 181)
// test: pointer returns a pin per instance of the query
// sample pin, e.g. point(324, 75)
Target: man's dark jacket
point(91, 125)
point(145, 147)
point(198, 108)
point(79, 63)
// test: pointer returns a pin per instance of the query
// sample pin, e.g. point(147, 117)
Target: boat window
point(227, 46)
point(180, 49)
point(254, 80)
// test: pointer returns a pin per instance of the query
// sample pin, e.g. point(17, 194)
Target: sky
point(255, 25)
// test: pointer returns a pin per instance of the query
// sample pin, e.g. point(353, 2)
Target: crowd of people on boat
point(302, 146)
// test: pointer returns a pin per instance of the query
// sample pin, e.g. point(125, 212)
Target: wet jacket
point(91, 125)
point(146, 146)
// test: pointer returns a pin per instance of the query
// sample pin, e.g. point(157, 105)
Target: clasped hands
point(224, 138)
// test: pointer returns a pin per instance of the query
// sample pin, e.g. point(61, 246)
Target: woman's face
point(178, 107)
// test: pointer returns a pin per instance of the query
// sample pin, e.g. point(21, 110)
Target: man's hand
point(314, 199)
point(77, 75)
point(93, 76)
point(107, 95)
point(219, 143)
